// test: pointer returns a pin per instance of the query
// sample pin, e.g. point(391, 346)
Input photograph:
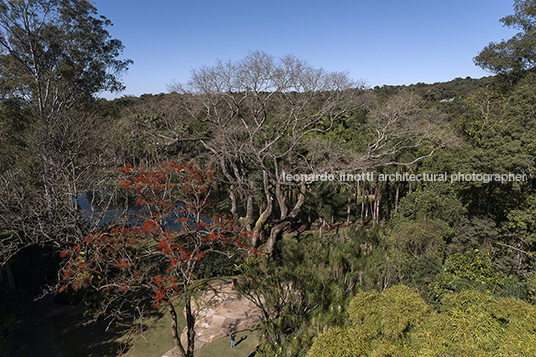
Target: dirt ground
point(218, 313)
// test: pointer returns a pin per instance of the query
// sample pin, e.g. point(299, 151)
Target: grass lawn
point(158, 339)
point(246, 342)
point(75, 338)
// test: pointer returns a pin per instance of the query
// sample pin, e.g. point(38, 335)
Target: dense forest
point(395, 220)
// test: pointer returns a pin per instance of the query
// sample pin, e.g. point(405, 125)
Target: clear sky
point(378, 41)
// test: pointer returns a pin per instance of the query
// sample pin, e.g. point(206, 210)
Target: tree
point(516, 54)
point(397, 126)
point(505, 144)
point(55, 53)
point(263, 117)
point(54, 56)
point(79, 157)
point(308, 284)
point(143, 257)
point(419, 232)
point(474, 270)
point(482, 111)
point(257, 114)
point(400, 323)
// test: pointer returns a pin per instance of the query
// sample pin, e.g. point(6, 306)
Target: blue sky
point(381, 42)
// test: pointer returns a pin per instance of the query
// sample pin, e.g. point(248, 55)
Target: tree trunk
point(264, 215)
point(373, 206)
point(377, 197)
point(174, 331)
point(232, 187)
point(190, 324)
point(282, 200)
point(290, 196)
point(249, 212)
point(397, 195)
point(232, 197)
point(362, 206)
point(348, 209)
point(287, 220)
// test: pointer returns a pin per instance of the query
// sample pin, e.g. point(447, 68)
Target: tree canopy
point(54, 56)
point(400, 323)
point(55, 53)
point(517, 53)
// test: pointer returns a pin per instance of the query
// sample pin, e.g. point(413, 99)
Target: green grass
point(75, 338)
point(158, 339)
point(247, 341)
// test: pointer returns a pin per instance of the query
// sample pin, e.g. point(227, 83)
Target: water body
point(99, 218)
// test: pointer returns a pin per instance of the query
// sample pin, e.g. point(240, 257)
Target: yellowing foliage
point(399, 323)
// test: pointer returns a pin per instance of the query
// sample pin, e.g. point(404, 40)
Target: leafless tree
point(264, 116)
point(79, 168)
point(397, 132)
point(255, 115)
point(54, 57)
point(397, 126)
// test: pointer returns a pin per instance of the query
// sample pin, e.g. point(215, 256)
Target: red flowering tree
point(144, 256)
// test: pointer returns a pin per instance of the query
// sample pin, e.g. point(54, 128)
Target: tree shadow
point(76, 336)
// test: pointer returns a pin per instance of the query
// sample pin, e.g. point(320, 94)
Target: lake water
point(97, 217)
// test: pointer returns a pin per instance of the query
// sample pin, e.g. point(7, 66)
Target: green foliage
point(15, 123)
point(522, 221)
point(474, 323)
point(417, 249)
point(304, 288)
point(482, 111)
point(399, 323)
point(308, 284)
point(516, 54)
point(506, 146)
point(339, 342)
point(56, 52)
point(473, 233)
point(395, 313)
point(458, 87)
point(474, 271)
point(325, 201)
point(215, 264)
point(436, 201)
point(420, 237)
point(420, 232)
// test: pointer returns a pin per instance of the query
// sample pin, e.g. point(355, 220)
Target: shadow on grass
point(75, 337)
point(247, 341)
point(157, 340)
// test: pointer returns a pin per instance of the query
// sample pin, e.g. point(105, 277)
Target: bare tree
point(397, 132)
point(256, 115)
point(263, 117)
point(400, 125)
point(78, 158)
point(54, 56)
